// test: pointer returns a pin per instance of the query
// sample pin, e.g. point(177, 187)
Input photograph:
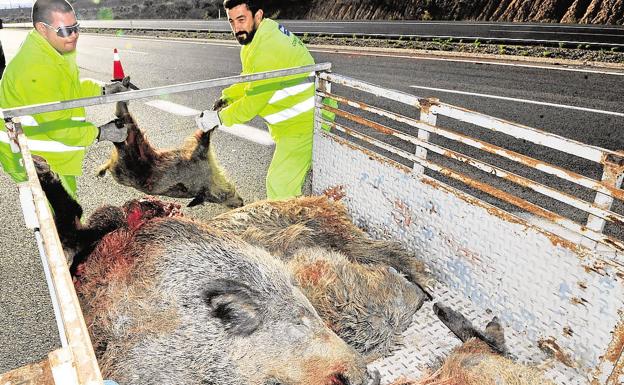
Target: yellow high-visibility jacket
point(40, 74)
point(287, 103)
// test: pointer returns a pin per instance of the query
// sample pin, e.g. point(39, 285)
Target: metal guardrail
point(606, 190)
point(378, 36)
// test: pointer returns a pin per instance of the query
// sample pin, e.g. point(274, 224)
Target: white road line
point(620, 114)
point(382, 54)
point(121, 50)
point(173, 108)
point(235, 45)
point(244, 131)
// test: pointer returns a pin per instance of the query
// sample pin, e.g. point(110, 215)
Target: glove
point(113, 131)
point(208, 120)
point(117, 86)
point(219, 104)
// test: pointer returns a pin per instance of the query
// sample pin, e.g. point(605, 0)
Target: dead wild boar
point(368, 306)
point(173, 301)
point(188, 172)
point(283, 227)
point(480, 360)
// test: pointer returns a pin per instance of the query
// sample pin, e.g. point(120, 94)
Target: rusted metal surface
point(581, 180)
point(493, 170)
point(519, 131)
point(336, 193)
point(33, 374)
point(83, 359)
point(613, 175)
point(550, 347)
point(493, 191)
point(373, 89)
point(612, 360)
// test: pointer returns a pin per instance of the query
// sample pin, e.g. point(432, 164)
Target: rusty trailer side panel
point(558, 292)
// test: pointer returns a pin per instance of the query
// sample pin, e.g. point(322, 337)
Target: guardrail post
point(613, 175)
point(427, 116)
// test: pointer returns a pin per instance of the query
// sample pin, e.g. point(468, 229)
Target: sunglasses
point(64, 31)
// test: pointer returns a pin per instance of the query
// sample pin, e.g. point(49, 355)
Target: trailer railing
point(373, 134)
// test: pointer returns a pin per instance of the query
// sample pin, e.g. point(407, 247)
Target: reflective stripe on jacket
point(39, 74)
point(285, 103)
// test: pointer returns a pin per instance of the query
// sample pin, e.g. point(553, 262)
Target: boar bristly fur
point(283, 227)
point(173, 301)
point(191, 171)
point(368, 306)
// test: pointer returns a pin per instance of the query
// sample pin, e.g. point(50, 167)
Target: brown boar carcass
point(368, 306)
point(188, 172)
point(172, 301)
point(283, 227)
point(356, 283)
point(480, 360)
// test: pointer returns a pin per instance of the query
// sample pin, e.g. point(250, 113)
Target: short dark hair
point(42, 10)
point(253, 5)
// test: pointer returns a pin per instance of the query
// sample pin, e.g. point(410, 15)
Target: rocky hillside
point(564, 11)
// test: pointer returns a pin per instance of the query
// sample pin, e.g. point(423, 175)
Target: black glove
point(219, 104)
point(117, 86)
point(113, 131)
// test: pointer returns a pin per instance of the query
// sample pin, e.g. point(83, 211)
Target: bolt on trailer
point(497, 234)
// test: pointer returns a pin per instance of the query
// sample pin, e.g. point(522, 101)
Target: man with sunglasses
point(45, 70)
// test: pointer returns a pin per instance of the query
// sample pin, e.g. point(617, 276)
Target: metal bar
point(613, 173)
point(483, 166)
point(373, 89)
point(157, 91)
point(581, 180)
point(521, 203)
point(533, 135)
point(530, 134)
point(430, 118)
point(84, 360)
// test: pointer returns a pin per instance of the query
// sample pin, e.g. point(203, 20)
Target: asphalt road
point(28, 330)
point(527, 33)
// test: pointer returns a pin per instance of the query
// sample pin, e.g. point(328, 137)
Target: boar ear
point(234, 304)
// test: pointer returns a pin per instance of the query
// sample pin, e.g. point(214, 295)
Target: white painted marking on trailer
point(244, 131)
point(521, 100)
point(173, 108)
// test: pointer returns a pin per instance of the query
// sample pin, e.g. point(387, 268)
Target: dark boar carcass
point(188, 172)
point(172, 301)
point(480, 360)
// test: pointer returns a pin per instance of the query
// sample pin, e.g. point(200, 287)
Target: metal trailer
point(406, 172)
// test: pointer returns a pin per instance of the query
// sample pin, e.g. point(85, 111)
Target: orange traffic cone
point(118, 72)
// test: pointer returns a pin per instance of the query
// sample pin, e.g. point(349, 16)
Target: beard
point(245, 37)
